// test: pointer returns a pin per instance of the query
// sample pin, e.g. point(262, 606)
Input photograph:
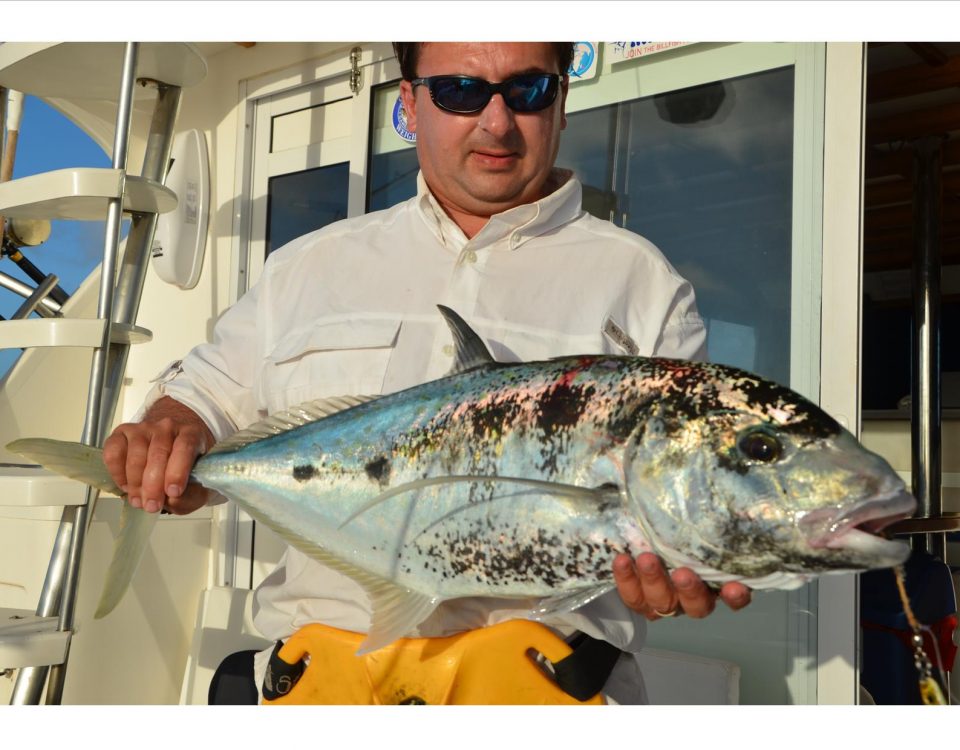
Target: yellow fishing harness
point(493, 665)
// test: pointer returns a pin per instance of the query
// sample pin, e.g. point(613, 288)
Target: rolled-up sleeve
point(215, 379)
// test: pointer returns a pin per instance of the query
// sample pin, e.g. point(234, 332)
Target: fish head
point(737, 474)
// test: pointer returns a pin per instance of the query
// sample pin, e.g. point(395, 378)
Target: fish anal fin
point(568, 601)
point(397, 611)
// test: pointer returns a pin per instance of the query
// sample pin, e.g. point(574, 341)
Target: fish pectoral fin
point(397, 611)
point(597, 495)
point(135, 528)
point(568, 602)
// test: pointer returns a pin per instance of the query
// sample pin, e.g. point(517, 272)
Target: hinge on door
point(356, 75)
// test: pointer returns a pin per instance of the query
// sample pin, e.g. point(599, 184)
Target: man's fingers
point(628, 583)
point(735, 595)
point(695, 598)
point(657, 588)
point(184, 454)
point(115, 457)
point(644, 586)
point(137, 450)
point(154, 474)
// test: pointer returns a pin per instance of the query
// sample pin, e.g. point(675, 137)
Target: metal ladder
point(38, 643)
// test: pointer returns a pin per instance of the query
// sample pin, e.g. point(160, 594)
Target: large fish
point(526, 480)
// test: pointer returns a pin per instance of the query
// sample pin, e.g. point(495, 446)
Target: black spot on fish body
point(304, 472)
point(379, 470)
point(561, 407)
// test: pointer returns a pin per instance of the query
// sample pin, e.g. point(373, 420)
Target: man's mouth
point(495, 157)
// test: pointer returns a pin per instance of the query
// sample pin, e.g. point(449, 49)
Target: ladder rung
point(27, 640)
point(81, 193)
point(86, 332)
point(91, 70)
point(25, 485)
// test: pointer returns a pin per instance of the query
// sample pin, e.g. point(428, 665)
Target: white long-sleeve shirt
point(351, 309)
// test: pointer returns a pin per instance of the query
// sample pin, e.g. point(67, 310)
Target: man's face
point(489, 161)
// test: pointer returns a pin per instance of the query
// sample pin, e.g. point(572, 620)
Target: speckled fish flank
point(526, 480)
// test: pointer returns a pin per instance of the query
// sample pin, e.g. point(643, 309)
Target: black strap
point(281, 676)
point(583, 673)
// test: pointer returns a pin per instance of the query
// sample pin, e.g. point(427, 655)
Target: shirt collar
point(516, 225)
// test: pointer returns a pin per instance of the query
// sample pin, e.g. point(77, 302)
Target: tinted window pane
point(706, 174)
point(393, 178)
point(300, 202)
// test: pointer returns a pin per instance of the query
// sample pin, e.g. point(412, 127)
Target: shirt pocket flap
point(335, 335)
point(337, 358)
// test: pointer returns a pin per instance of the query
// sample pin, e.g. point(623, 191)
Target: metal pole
point(136, 256)
point(33, 301)
point(74, 520)
point(98, 370)
point(48, 307)
point(925, 426)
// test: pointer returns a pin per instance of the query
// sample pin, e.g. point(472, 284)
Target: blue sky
point(50, 141)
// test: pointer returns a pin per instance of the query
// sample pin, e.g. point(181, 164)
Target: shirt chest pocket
point(324, 359)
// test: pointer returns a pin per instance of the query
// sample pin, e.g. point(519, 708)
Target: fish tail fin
point(85, 464)
point(136, 525)
point(73, 460)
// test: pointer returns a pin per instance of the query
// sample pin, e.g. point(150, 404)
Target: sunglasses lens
point(530, 93)
point(460, 94)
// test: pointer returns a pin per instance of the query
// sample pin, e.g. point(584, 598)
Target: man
point(496, 233)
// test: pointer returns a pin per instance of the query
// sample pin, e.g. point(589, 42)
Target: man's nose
point(497, 118)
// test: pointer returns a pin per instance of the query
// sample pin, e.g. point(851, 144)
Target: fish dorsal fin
point(598, 495)
point(282, 421)
point(471, 352)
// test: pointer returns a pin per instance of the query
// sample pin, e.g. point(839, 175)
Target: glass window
point(705, 173)
point(301, 202)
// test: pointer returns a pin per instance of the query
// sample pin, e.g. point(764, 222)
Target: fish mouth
point(866, 520)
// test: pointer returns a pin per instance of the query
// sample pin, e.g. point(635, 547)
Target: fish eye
point(760, 446)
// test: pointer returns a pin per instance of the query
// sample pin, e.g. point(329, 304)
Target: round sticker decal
point(583, 57)
point(400, 122)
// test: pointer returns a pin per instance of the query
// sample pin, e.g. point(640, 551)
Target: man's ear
point(409, 104)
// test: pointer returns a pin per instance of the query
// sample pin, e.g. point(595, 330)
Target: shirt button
point(471, 256)
point(448, 350)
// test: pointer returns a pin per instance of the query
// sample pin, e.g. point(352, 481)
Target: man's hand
point(646, 588)
point(151, 460)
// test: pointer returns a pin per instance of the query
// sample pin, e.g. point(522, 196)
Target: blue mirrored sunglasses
point(463, 95)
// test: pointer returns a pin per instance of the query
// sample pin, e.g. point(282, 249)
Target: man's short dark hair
point(409, 52)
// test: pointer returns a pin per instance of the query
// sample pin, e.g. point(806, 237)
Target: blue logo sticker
point(584, 54)
point(400, 122)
